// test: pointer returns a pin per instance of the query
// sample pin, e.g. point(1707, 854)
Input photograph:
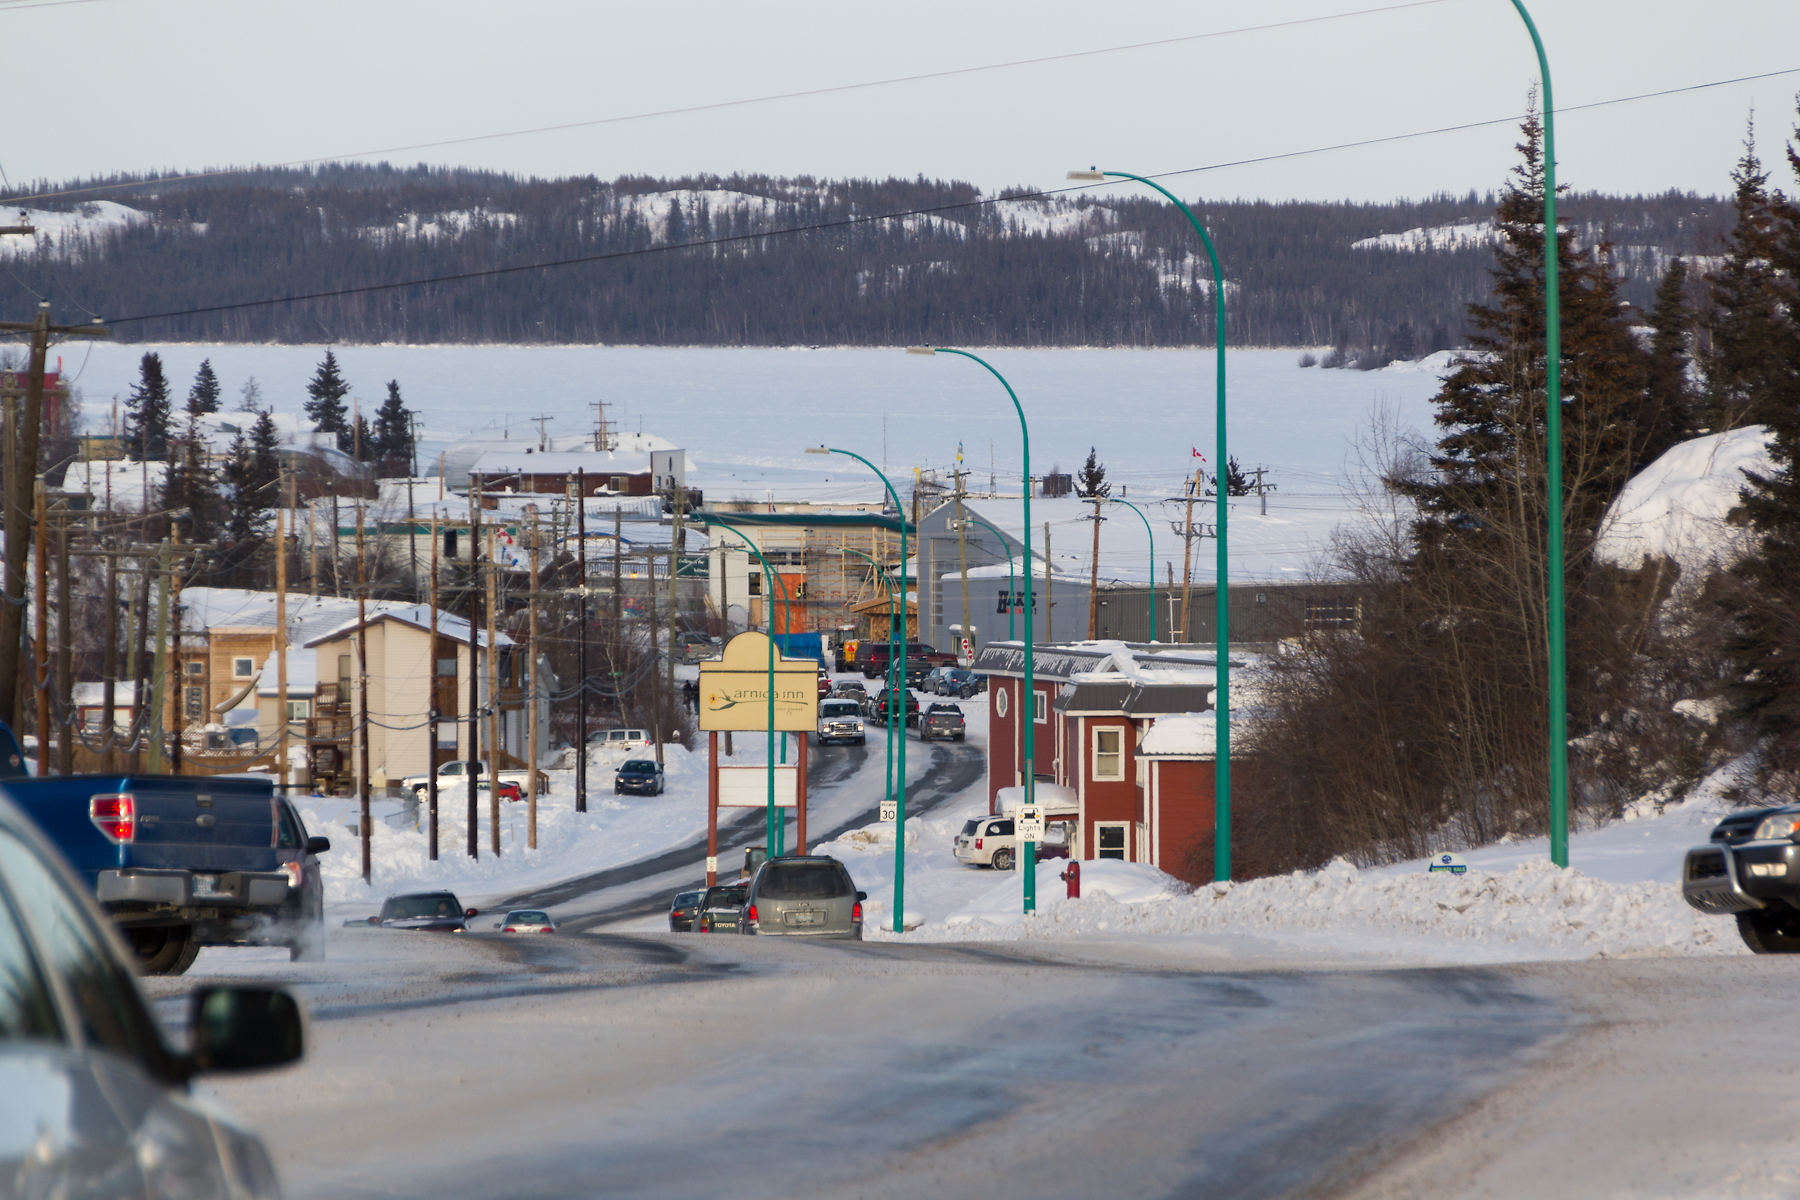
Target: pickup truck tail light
point(116, 815)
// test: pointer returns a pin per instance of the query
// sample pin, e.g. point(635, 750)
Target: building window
point(1333, 615)
point(195, 705)
point(241, 668)
point(1000, 701)
point(447, 667)
point(1110, 839)
point(299, 710)
point(446, 734)
point(1109, 753)
point(620, 484)
point(1037, 707)
point(196, 668)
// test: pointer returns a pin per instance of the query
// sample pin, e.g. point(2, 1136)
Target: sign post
point(735, 697)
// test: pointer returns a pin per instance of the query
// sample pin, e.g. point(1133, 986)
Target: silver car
point(92, 1102)
point(803, 896)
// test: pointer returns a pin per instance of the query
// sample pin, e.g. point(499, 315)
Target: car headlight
point(1781, 825)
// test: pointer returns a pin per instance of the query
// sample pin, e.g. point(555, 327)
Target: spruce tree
point(265, 461)
point(1091, 483)
point(1236, 484)
point(1748, 305)
point(325, 403)
point(147, 423)
point(189, 484)
point(1670, 407)
point(241, 526)
point(203, 397)
point(361, 441)
point(393, 435)
point(1763, 592)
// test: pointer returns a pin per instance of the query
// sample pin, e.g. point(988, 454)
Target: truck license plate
point(206, 885)
point(802, 918)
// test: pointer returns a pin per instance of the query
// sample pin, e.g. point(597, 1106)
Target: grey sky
point(189, 84)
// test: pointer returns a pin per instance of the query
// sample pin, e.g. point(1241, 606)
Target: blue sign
point(1447, 864)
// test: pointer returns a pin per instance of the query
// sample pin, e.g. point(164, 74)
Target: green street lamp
point(1010, 582)
point(896, 675)
point(1152, 534)
point(889, 583)
point(1222, 617)
point(1559, 697)
point(769, 574)
point(1028, 713)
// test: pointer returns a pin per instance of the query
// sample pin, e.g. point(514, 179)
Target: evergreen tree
point(203, 397)
point(241, 526)
point(1236, 484)
point(250, 396)
point(361, 441)
point(325, 403)
point(1748, 309)
point(1670, 407)
point(1091, 483)
point(188, 484)
point(1763, 593)
point(265, 461)
point(148, 409)
point(393, 436)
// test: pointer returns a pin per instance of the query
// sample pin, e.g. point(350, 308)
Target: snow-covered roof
point(310, 618)
point(1678, 505)
point(1181, 735)
point(1148, 663)
point(419, 617)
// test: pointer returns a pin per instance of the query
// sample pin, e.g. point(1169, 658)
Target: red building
point(1142, 794)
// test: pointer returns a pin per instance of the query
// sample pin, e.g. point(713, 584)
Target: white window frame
point(299, 710)
point(1117, 774)
point(1124, 828)
point(1000, 701)
point(243, 668)
point(1040, 707)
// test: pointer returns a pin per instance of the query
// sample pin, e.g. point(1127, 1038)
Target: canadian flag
point(1197, 453)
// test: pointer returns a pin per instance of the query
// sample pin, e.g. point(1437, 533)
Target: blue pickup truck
point(182, 862)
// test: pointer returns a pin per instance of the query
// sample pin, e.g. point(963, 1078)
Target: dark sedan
point(682, 911)
point(639, 776)
point(432, 912)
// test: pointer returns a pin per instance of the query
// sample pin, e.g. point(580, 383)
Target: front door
point(1109, 838)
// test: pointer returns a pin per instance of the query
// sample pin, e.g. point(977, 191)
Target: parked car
point(619, 739)
point(526, 920)
point(683, 909)
point(990, 842)
point(181, 862)
point(721, 908)
point(960, 682)
point(639, 776)
point(455, 774)
point(917, 670)
point(803, 896)
point(932, 682)
point(824, 684)
point(872, 657)
point(693, 647)
point(96, 1103)
point(427, 912)
point(942, 721)
point(507, 788)
point(850, 689)
point(840, 721)
point(1750, 869)
point(878, 707)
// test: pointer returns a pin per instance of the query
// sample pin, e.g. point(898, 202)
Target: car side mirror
point(317, 845)
point(471, 912)
point(495, 925)
point(244, 1029)
point(862, 895)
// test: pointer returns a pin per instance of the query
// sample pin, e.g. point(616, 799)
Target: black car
point(432, 912)
point(682, 911)
point(721, 908)
point(960, 681)
point(878, 708)
point(640, 776)
point(942, 721)
point(917, 670)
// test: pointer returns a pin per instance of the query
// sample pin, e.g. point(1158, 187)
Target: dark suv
point(640, 777)
point(942, 721)
point(721, 909)
point(803, 896)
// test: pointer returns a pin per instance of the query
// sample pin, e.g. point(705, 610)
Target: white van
point(619, 739)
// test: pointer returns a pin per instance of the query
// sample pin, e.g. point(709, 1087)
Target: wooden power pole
point(531, 702)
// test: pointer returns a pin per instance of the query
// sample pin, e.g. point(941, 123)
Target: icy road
point(682, 1065)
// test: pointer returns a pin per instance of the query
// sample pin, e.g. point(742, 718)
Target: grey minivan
point(803, 896)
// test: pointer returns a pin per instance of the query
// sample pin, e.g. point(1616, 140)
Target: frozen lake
point(746, 414)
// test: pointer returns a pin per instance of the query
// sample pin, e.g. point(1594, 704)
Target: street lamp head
point(920, 350)
point(817, 450)
point(1088, 176)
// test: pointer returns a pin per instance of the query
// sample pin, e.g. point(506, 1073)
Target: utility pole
point(153, 727)
point(178, 696)
point(1049, 575)
point(65, 654)
point(1094, 577)
point(40, 674)
point(581, 592)
point(675, 542)
point(21, 476)
point(141, 720)
point(1262, 489)
point(496, 747)
point(281, 636)
point(362, 691)
point(543, 435)
point(474, 760)
point(109, 668)
point(962, 559)
point(1187, 532)
point(656, 711)
point(412, 519)
point(531, 703)
point(437, 678)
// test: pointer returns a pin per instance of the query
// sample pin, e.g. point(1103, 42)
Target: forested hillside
point(1010, 270)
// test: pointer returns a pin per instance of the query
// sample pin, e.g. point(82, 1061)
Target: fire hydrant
point(1072, 875)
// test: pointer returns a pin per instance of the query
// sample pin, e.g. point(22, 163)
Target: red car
point(507, 788)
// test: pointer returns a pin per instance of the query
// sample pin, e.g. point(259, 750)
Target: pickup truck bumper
point(1721, 879)
point(189, 889)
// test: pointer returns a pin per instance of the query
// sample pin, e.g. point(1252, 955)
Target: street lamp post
point(889, 583)
point(896, 674)
point(769, 575)
point(1559, 699)
point(1222, 610)
point(1028, 715)
point(1152, 535)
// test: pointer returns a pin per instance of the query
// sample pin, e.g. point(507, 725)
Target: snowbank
point(1677, 506)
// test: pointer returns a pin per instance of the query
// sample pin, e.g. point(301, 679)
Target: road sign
point(712, 864)
point(890, 810)
point(1029, 824)
point(734, 688)
point(1446, 864)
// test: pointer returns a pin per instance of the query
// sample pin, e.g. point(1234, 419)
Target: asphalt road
point(670, 1066)
point(643, 888)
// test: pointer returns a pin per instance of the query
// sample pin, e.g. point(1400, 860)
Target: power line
point(852, 222)
point(723, 104)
